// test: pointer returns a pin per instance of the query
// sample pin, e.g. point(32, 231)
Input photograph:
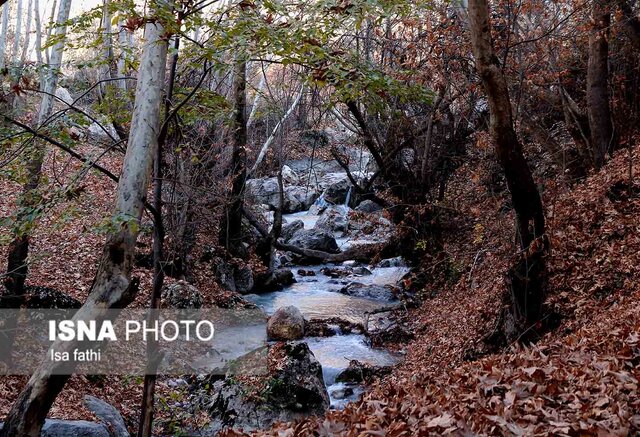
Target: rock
point(234, 277)
point(286, 324)
point(316, 240)
point(49, 298)
point(306, 273)
point(108, 415)
point(337, 192)
point(293, 389)
point(298, 199)
point(181, 295)
point(369, 291)
point(103, 131)
point(358, 372)
point(290, 229)
point(335, 272)
point(342, 393)
point(285, 259)
point(330, 179)
point(289, 176)
point(318, 207)
point(224, 273)
point(266, 191)
point(243, 278)
point(392, 262)
point(73, 428)
point(407, 158)
point(331, 326)
point(64, 95)
point(284, 277)
point(362, 271)
point(368, 206)
point(334, 219)
point(274, 281)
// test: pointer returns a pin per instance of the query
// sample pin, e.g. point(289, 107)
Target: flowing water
point(318, 297)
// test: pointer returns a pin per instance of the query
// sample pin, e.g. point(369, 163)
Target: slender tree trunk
point(598, 83)
point(274, 133)
point(112, 286)
point(19, 248)
point(231, 223)
point(527, 276)
point(153, 353)
point(3, 34)
point(125, 46)
point(256, 99)
point(38, 46)
point(47, 52)
point(27, 35)
point(106, 70)
point(17, 36)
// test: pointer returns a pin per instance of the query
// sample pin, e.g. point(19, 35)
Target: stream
point(318, 297)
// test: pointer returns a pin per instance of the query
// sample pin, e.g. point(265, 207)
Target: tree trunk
point(527, 276)
point(272, 137)
point(631, 22)
point(106, 70)
point(124, 38)
point(112, 286)
point(153, 353)
point(47, 51)
point(19, 247)
point(231, 223)
point(597, 83)
point(256, 99)
point(17, 35)
point(3, 34)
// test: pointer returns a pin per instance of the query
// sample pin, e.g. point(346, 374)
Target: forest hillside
point(393, 218)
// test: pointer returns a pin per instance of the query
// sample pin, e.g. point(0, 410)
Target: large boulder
point(369, 291)
point(289, 176)
point(368, 206)
point(64, 95)
point(337, 192)
point(108, 415)
point(286, 324)
point(293, 389)
point(234, 277)
point(290, 229)
point(267, 191)
point(316, 240)
point(298, 199)
point(358, 372)
point(334, 219)
point(181, 295)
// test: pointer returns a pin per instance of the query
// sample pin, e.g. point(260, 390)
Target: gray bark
point(112, 286)
point(3, 34)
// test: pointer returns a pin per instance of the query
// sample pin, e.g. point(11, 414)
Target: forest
point(342, 217)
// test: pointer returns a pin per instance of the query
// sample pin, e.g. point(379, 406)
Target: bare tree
point(3, 34)
point(527, 276)
point(231, 223)
point(598, 107)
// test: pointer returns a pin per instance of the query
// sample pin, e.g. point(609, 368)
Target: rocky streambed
point(325, 317)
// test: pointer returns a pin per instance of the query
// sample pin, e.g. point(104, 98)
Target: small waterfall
point(320, 202)
point(348, 198)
